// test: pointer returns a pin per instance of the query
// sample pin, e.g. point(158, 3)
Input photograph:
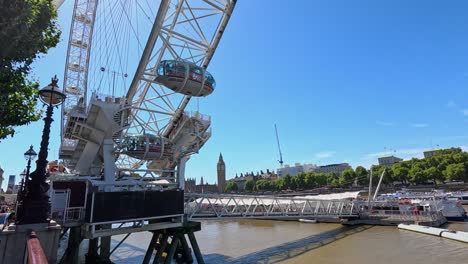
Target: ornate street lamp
point(29, 155)
point(35, 206)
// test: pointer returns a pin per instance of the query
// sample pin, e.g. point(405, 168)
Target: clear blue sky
point(345, 81)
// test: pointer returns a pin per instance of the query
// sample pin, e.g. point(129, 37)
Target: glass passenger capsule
point(185, 77)
point(146, 147)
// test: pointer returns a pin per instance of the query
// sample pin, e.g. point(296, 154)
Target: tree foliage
point(231, 187)
point(249, 185)
point(362, 175)
point(28, 29)
point(455, 172)
point(348, 177)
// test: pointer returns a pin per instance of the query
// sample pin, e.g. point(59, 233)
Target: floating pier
point(440, 232)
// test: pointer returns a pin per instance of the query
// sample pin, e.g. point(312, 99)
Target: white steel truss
point(187, 30)
point(208, 206)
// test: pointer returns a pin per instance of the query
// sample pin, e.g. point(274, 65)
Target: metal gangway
point(223, 206)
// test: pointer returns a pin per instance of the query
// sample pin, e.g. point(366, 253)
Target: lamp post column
point(36, 202)
point(26, 177)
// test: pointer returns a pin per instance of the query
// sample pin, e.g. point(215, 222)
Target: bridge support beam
point(73, 248)
point(92, 255)
point(196, 248)
point(173, 242)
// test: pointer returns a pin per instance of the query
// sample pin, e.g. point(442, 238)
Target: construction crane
point(279, 148)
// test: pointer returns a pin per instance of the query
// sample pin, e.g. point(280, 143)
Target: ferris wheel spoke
point(168, 46)
point(195, 19)
point(184, 39)
point(155, 104)
point(152, 100)
point(211, 3)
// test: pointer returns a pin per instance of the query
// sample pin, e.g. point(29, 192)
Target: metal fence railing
point(408, 215)
point(69, 215)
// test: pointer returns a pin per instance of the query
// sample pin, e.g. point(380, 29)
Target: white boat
point(310, 221)
point(451, 209)
point(462, 197)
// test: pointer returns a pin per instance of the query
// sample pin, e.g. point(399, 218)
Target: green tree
point(321, 179)
point(332, 179)
point(362, 176)
point(417, 175)
point(455, 172)
point(434, 174)
point(28, 29)
point(300, 180)
point(264, 185)
point(347, 177)
point(400, 172)
point(310, 180)
point(278, 184)
point(287, 182)
point(231, 187)
point(249, 185)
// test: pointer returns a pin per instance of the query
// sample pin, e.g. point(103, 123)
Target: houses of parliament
point(205, 187)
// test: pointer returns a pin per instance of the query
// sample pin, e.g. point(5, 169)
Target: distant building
point(189, 184)
point(11, 183)
point(1, 177)
point(203, 187)
point(296, 169)
point(388, 161)
point(309, 167)
point(290, 170)
point(221, 174)
point(268, 175)
point(259, 175)
point(16, 188)
point(337, 168)
point(240, 181)
point(429, 153)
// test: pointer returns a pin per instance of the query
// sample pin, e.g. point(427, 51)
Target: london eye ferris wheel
point(131, 70)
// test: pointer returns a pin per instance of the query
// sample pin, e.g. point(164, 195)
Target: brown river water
point(263, 241)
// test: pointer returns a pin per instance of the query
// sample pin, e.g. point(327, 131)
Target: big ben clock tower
point(221, 174)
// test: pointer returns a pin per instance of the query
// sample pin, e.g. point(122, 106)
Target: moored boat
point(462, 197)
point(451, 209)
point(310, 221)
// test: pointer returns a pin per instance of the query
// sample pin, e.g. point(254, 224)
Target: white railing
point(69, 215)
point(420, 216)
point(69, 144)
point(198, 116)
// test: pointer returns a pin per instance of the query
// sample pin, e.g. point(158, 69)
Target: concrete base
point(13, 241)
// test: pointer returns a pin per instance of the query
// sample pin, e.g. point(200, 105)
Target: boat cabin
point(185, 77)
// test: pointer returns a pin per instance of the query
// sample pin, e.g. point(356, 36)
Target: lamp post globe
point(30, 154)
point(35, 207)
point(51, 94)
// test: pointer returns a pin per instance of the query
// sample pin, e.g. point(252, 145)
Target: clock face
point(221, 167)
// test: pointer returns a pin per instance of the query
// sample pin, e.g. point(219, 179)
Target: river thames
point(263, 241)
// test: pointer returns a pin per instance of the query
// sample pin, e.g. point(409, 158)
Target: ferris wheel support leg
point(109, 162)
point(181, 173)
